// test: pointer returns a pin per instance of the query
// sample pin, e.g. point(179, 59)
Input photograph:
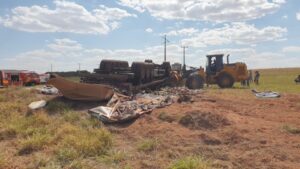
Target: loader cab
point(214, 64)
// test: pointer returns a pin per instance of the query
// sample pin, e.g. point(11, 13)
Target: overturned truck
point(120, 75)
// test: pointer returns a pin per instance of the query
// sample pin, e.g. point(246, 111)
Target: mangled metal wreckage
point(139, 76)
point(111, 75)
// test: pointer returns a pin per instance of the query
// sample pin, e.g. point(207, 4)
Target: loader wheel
point(194, 82)
point(225, 81)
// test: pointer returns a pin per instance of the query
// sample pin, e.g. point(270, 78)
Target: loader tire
point(225, 81)
point(194, 82)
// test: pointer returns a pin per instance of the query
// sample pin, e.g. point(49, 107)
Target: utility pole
point(79, 68)
point(184, 47)
point(165, 48)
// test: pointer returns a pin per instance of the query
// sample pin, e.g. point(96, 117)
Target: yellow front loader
point(218, 72)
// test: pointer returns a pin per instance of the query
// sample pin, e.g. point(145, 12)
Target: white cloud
point(65, 54)
point(182, 32)
point(149, 30)
point(284, 17)
point(298, 16)
point(65, 17)
point(238, 33)
point(279, 1)
point(255, 59)
point(205, 10)
point(291, 49)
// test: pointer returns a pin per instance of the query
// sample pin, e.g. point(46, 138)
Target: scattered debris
point(267, 94)
point(49, 90)
point(177, 91)
point(123, 108)
point(203, 120)
point(37, 105)
point(81, 91)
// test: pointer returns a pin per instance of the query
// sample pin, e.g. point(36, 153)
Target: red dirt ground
point(247, 132)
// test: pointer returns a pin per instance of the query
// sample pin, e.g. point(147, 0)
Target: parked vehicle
point(44, 78)
point(18, 78)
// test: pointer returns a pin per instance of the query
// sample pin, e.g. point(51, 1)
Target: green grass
point(88, 143)
point(165, 117)
point(147, 145)
point(74, 78)
point(57, 107)
point(34, 143)
point(191, 163)
point(280, 80)
point(113, 157)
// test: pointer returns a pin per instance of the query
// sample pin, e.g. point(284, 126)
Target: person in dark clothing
point(297, 80)
point(256, 77)
point(250, 76)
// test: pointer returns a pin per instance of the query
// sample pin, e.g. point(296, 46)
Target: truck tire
point(225, 80)
point(194, 82)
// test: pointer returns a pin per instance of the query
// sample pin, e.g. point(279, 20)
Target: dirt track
point(239, 131)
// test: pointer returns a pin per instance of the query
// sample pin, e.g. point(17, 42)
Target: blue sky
point(37, 33)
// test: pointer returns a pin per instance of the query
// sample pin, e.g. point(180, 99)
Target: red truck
point(18, 78)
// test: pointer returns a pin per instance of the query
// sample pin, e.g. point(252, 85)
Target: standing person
point(250, 76)
point(256, 78)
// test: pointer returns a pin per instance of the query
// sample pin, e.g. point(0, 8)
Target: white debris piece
point(37, 104)
point(267, 94)
point(48, 90)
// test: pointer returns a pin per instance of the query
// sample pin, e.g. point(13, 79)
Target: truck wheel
point(194, 82)
point(225, 81)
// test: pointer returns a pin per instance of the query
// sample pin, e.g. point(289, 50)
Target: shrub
point(3, 162)
point(89, 143)
point(7, 133)
point(66, 155)
point(71, 116)
point(27, 126)
point(114, 157)
point(148, 145)
point(34, 143)
point(57, 107)
point(191, 163)
point(165, 117)
point(292, 130)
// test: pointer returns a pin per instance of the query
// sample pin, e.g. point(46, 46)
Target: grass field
point(280, 80)
point(61, 136)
